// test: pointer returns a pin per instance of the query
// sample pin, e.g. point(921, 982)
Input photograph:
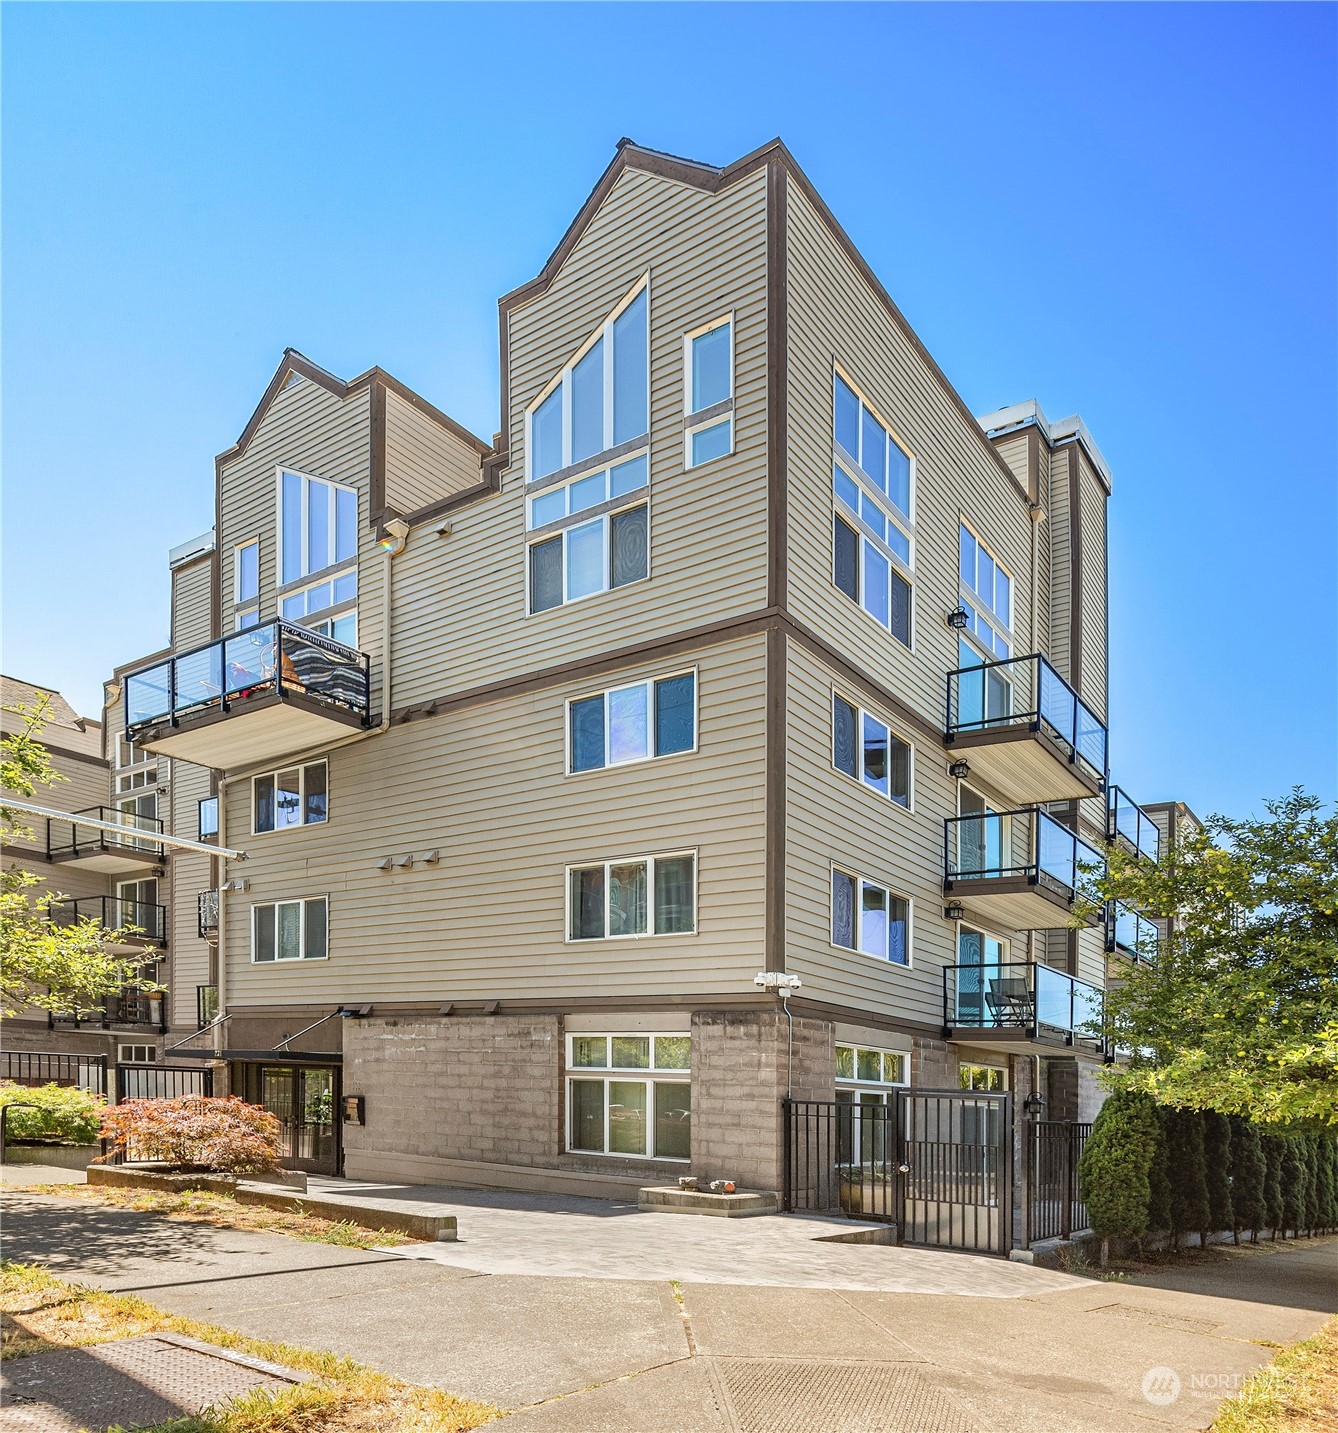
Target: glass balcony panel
point(1053, 997)
point(325, 669)
point(199, 678)
point(1057, 851)
point(1087, 1009)
point(1057, 703)
point(976, 847)
point(249, 659)
point(1091, 739)
point(148, 694)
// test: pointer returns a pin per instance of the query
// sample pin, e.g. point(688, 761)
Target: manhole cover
point(1140, 1314)
point(131, 1382)
point(774, 1396)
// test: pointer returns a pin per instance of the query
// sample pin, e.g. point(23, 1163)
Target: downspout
point(397, 535)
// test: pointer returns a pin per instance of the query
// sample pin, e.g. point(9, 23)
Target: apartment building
point(742, 647)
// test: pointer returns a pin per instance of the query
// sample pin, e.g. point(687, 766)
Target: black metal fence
point(162, 1082)
point(841, 1158)
point(32, 1067)
point(1055, 1206)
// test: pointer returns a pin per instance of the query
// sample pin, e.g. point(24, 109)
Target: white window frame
point(974, 604)
point(301, 769)
point(649, 683)
point(650, 933)
point(691, 428)
point(605, 519)
point(879, 1086)
point(307, 570)
point(149, 1056)
point(240, 598)
point(301, 903)
point(850, 463)
point(649, 1076)
point(978, 1065)
point(891, 892)
point(604, 331)
point(860, 713)
point(866, 538)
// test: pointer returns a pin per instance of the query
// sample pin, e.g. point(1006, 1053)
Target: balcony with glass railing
point(1130, 934)
point(256, 695)
point(1020, 869)
point(144, 923)
point(1020, 1000)
point(133, 846)
point(142, 1010)
point(1025, 732)
point(206, 906)
point(1129, 824)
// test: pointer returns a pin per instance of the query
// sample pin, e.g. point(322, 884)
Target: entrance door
point(981, 837)
point(956, 1169)
point(979, 957)
point(303, 1098)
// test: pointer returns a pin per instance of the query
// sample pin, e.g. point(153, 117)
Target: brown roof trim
point(64, 751)
point(776, 737)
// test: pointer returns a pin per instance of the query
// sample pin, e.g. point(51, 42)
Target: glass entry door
point(979, 957)
point(303, 1098)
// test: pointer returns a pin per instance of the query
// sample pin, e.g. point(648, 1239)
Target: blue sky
point(1124, 210)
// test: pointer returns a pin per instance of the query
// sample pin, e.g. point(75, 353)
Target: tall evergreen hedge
point(1273, 1182)
point(1189, 1184)
point(1217, 1172)
point(1113, 1170)
point(1248, 1171)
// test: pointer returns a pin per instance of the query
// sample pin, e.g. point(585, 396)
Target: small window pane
point(587, 404)
point(264, 932)
point(872, 515)
point(292, 527)
point(710, 368)
point(548, 507)
point(876, 574)
point(631, 1052)
point(585, 559)
point(672, 1052)
point(318, 526)
point(870, 1065)
point(899, 771)
point(893, 1068)
point(627, 901)
point(587, 1115)
point(712, 442)
point(675, 710)
point(899, 478)
point(846, 572)
point(319, 598)
point(1003, 597)
point(587, 903)
point(546, 435)
point(248, 572)
point(287, 800)
point(264, 803)
point(346, 524)
point(673, 1120)
point(875, 755)
point(627, 477)
point(289, 917)
point(843, 910)
point(873, 449)
point(587, 734)
point(845, 488)
point(995, 1078)
point(314, 793)
point(898, 919)
point(546, 575)
point(294, 607)
point(847, 419)
point(590, 1052)
point(313, 934)
point(967, 558)
point(673, 895)
point(588, 492)
point(873, 920)
point(900, 616)
point(345, 629)
point(627, 1117)
point(346, 587)
point(629, 733)
point(845, 1062)
point(631, 414)
point(844, 750)
point(898, 542)
point(630, 547)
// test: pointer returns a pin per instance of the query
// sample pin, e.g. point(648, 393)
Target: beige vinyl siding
point(486, 787)
point(1040, 631)
point(188, 874)
point(706, 255)
point(835, 317)
point(1013, 450)
point(310, 430)
point(1061, 566)
point(424, 461)
point(1092, 500)
point(192, 603)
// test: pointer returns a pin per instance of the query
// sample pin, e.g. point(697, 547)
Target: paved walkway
point(577, 1352)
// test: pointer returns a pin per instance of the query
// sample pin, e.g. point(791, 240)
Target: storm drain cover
point(133, 1382)
point(778, 1396)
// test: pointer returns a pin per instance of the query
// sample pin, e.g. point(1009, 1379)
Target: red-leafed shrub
point(195, 1133)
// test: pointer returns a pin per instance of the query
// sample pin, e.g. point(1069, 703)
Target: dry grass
point(199, 1207)
point(39, 1312)
point(1296, 1393)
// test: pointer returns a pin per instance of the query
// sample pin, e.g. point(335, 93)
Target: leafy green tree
point(66, 969)
point(1217, 1172)
point(1239, 1012)
point(1248, 1171)
point(1114, 1167)
point(1189, 1186)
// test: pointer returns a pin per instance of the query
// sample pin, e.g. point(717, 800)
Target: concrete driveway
point(585, 1352)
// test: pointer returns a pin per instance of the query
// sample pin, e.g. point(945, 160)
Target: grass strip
point(1296, 1393)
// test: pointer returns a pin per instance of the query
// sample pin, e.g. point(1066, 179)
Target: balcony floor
point(253, 729)
point(1024, 766)
point(1011, 902)
point(110, 861)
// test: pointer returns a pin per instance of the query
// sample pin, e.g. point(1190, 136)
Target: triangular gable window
point(601, 399)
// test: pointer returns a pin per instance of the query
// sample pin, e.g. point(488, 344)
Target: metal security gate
point(1055, 1204)
point(162, 1082)
point(936, 1163)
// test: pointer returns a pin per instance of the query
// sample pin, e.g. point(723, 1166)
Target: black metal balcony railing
point(1129, 933)
point(1127, 820)
point(276, 659)
point(148, 919)
point(1024, 844)
point(208, 818)
point(1025, 996)
point(67, 839)
point(1027, 692)
point(207, 912)
point(140, 1009)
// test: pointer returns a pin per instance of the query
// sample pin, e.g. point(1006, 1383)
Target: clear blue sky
point(1124, 210)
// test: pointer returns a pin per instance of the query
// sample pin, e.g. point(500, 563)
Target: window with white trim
point(869, 1070)
point(246, 584)
point(708, 362)
point(137, 1054)
point(867, 749)
point(630, 1095)
point(872, 486)
point(328, 607)
point(633, 723)
point(990, 1078)
point(318, 525)
point(870, 918)
point(986, 592)
point(298, 796)
point(290, 930)
point(636, 896)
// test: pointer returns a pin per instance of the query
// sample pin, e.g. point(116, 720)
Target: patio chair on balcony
point(1010, 1001)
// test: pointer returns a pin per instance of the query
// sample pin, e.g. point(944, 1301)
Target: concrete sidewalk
point(589, 1354)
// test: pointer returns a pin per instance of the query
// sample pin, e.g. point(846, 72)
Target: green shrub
point(62, 1115)
point(1114, 1167)
point(1189, 1185)
point(1217, 1171)
point(1273, 1182)
point(1295, 1183)
point(1159, 1179)
point(1249, 1169)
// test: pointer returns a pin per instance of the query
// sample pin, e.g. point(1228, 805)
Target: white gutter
point(156, 839)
